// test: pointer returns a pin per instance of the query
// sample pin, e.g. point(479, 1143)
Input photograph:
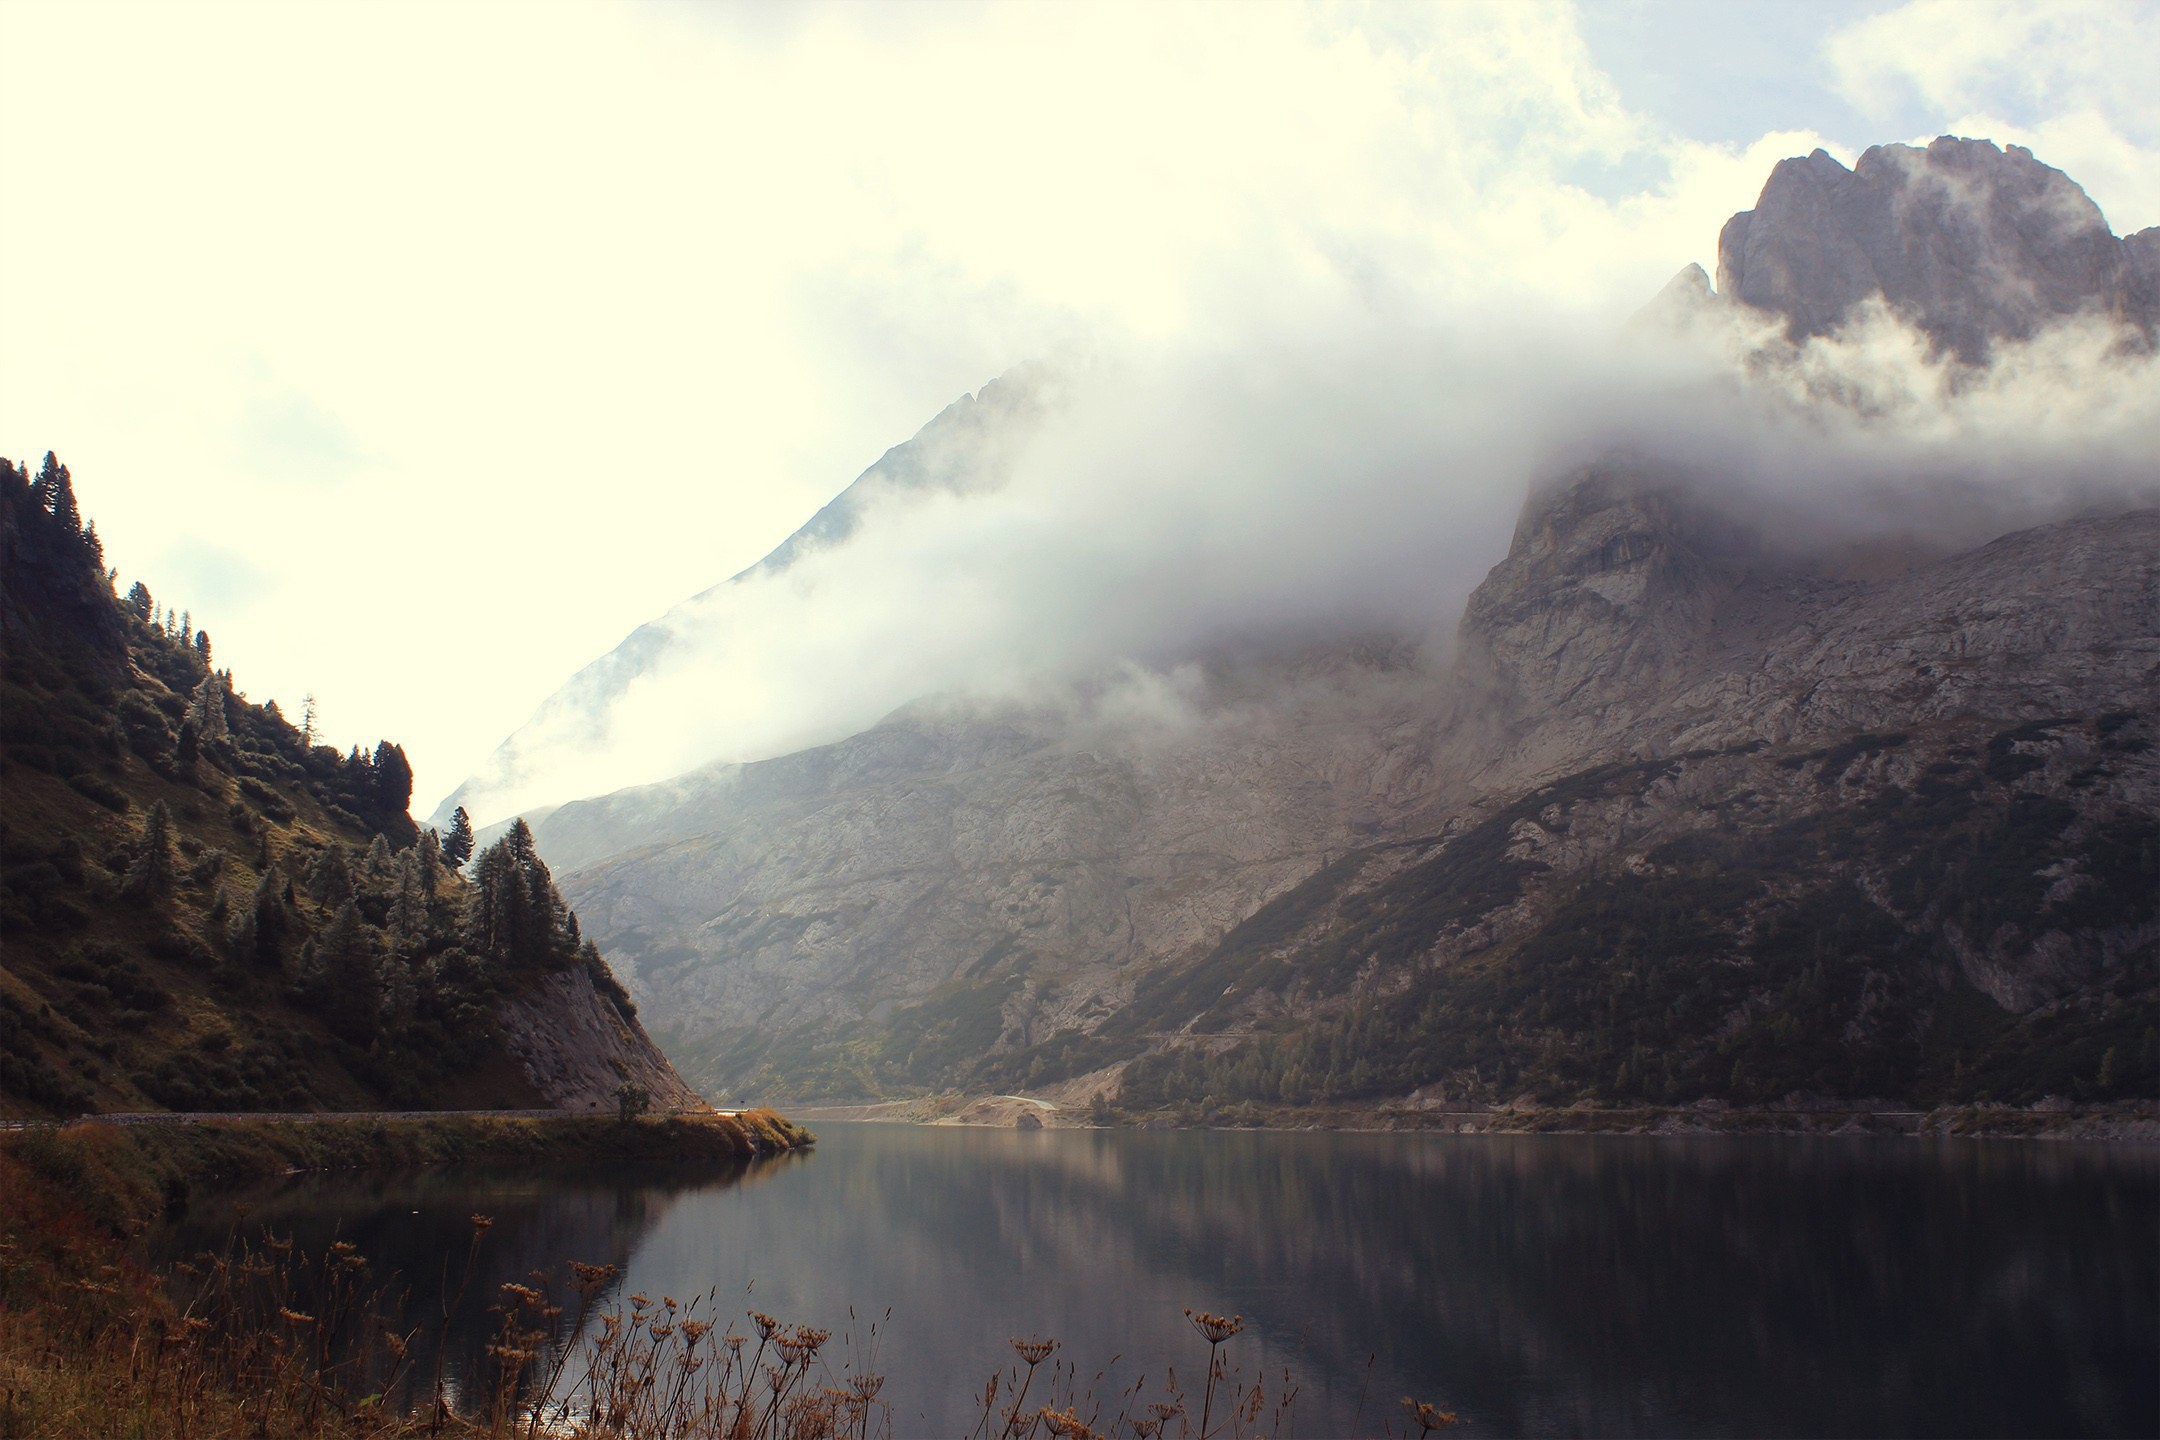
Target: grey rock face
point(1971, 243)
point(942, 892)
point(576, 1049)
point(1015, 897)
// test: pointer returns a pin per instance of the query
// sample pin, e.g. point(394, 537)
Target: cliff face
point(1971, 243)
point(1691, 812)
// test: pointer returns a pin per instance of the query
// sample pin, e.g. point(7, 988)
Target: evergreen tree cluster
point(243, 917)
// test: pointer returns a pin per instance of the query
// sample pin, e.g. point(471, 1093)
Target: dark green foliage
point(1724, 969)
point(457, 846)
point(151, 876)
point(519, 921)
point(329, 879)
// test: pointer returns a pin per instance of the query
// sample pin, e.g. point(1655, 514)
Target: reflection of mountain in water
point(1540, 1285)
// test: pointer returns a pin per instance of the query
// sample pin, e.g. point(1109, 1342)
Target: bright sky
point(424, 350)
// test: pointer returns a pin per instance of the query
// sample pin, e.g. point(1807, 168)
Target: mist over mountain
point(1353, 472)
point(1185, 661)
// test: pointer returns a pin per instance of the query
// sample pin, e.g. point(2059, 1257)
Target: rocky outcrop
point(1970, 243)
point(576, 1048)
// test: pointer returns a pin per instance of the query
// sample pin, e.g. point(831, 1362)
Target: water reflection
point(1538, 1285)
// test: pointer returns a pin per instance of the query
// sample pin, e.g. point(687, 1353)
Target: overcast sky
point(423, 351)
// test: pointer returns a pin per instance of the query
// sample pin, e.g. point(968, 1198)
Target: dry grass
point(263, 1341)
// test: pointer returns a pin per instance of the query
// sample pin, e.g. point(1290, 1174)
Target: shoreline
point(2136, 1122)
point(121, 1174)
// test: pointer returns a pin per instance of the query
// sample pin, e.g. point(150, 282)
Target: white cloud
point(2072, 79)
point(487, 331)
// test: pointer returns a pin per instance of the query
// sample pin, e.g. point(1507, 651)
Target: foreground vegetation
point(263, 1340)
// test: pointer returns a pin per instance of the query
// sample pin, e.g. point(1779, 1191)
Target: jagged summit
point(1969, 242)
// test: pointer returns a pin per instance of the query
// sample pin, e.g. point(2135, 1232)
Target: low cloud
point(1354, 477)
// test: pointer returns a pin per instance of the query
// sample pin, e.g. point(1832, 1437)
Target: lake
point(1536, 1285)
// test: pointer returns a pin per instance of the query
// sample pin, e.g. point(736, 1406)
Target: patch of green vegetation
point(1741, 965)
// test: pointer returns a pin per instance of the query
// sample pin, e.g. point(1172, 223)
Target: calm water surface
point(1536, 1285)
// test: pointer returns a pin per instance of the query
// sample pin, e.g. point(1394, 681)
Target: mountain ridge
point(998, 895)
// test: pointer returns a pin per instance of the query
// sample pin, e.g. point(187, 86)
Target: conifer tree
point(266, 912)
point(188, 749)
point(407, 921)
point(378, 860)
point(348, 958)
point(140, 602)
point(202, 648)
point(457, 846)
point(400, 994)
point(519, 920)
point(206, 708)
point(307, 719)
point(55, 491)
point(393, 779)
point(430, 853)
point(329, 879)
point(152, 873)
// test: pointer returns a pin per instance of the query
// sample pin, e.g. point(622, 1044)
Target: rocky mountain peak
point(1969, 242)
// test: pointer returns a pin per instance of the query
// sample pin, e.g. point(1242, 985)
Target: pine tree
point(307, 719)
point(152, 873)
point(55, 492)
point(266, 917)
point(407, 921)
point(457, 846)
point(202, 648)
point(206, 708)
point(430, 852)
point(519, 920)
point(329, 879)
point(188, 749)
point(140, 602)
point(378, 860)
point(393, 779)
point(347, 955)
point(400, 995)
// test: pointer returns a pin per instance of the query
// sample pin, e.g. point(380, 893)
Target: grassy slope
point(113, 1002)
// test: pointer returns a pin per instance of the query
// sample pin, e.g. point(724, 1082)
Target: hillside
point(201, 909)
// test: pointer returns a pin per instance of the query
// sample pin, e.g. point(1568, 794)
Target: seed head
point(1215, 1328)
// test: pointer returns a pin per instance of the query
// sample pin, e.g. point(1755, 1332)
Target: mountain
point(1703, 807)
point(965, 450)
point(1970, 243)
point(204, 910)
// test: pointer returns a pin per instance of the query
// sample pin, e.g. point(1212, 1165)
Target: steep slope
point(965, 449)
point(203, 910)
point(1735, 747)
